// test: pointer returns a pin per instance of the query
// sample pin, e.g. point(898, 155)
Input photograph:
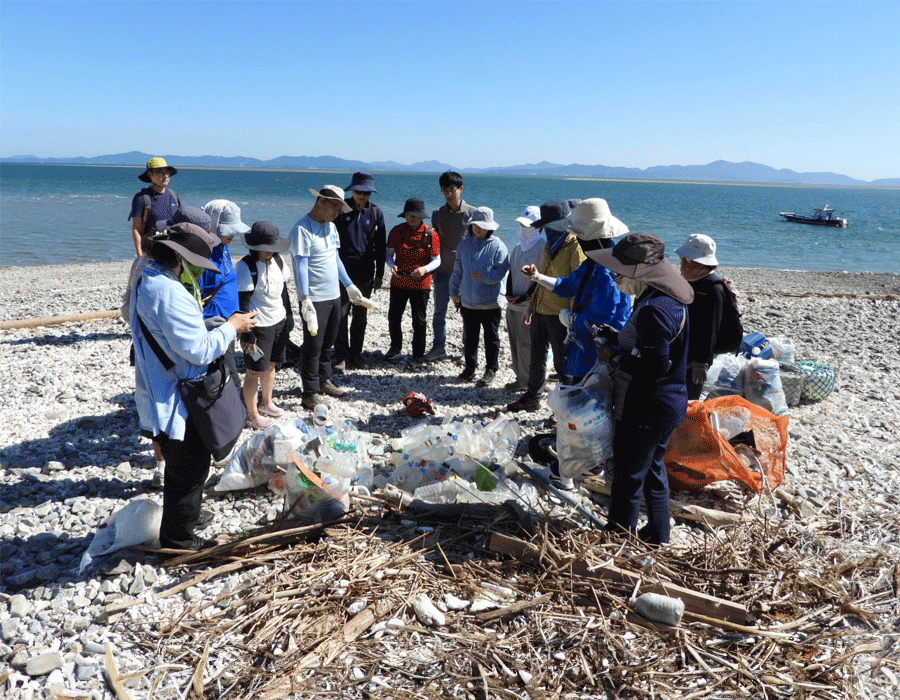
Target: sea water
point(57, 214)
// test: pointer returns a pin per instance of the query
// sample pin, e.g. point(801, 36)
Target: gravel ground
point(70, 454)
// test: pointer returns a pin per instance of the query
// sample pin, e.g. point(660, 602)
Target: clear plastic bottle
point(437, 492)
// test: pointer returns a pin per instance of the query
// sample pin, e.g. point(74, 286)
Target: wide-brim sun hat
point(264, 236)
point(362, 182)
point(414, 207)
point(187, 215)
point(192, 243)
point(642, 256)
point(591, 219)
point(226, 218)
point(700, 248)
point(153, 164)
point(335, 193)
point(551, 212)
point(483, 217)
point(529, 215)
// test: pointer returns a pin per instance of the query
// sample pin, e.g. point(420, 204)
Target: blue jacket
point(596, 301)
point(488, 256)
point(171, 314)
point(225, 302)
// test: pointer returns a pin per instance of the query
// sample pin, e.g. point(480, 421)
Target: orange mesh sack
point(698, 454)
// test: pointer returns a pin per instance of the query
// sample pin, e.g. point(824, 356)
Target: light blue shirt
point(317, 242)
point(172, 316)
point(488, 256)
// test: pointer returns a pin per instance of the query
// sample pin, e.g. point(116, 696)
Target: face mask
point(630, 286)
point(529, 237)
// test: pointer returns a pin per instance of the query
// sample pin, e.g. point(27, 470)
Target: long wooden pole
point(55, 320)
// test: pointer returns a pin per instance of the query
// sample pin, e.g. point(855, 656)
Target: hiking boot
point(514, 386)
point(467, 375)
point(357, 362)
point(311, 400)
point(392, 354)
point(525, 403)
point(487, 378)
point(330, 388)
point(436, 354)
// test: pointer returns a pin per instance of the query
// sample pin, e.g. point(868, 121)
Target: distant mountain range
point(717, 171)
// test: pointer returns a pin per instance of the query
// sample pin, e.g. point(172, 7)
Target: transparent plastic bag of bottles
point(263, 455)
point(584, 424)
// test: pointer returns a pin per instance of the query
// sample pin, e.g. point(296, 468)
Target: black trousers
point(316, 367)
point(546, 332)
point(474, 320)
point(418, 303)
point(364, 279)
point(187, 466)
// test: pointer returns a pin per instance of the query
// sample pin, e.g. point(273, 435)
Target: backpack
point(731, 330)
point(250, 261)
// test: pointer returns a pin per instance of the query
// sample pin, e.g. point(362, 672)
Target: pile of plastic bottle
point(459, 460)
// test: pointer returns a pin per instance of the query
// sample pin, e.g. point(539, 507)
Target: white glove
point(308, 312)
point(357, 298)
point(565, 318)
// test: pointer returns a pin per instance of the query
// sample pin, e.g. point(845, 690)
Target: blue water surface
point(56, 214)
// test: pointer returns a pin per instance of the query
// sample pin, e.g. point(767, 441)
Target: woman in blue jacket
point(481, 264)
point(596, 301)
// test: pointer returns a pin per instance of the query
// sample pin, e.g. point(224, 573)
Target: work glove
point(308, 312)
point(565, 318)
point(607, 333)
point(697, 371)
point(357, 298)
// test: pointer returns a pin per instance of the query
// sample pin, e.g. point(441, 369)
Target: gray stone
point(85, 672)
point(44, 663)
point(18, 606)
point(54, 466)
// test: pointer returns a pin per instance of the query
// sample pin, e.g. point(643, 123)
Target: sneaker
point(553, 377)
point(514, 386)
point(205, 519)
point(311, 400)
point(271, 410)
point(487, 378)
point(340, 367)
point(260, 422)
point(467, 375)
point(392, 354)
point(524, 403)
point(436, 354)
point(330, 388)
point(357, 362)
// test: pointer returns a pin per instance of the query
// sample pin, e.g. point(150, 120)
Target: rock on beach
point(70, 453)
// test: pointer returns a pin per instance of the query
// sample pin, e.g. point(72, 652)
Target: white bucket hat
point(700, 249)
point(591, 219)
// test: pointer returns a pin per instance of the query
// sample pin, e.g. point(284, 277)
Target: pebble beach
point(70, 455)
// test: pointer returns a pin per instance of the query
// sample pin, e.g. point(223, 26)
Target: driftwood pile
point(470, 601)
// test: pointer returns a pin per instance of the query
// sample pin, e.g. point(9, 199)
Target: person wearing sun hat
point(162, 309)
point(262, 287)
point(519, 289)
point(318, 274)
point(482, 261)
point(647, 360)
point(219, 289)
point(595, 299)
point(561, 255)
point(413, 254)
point(363, 235)
point(698, 263)
point(155, 203)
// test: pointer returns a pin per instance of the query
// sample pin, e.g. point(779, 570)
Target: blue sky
point(810, 86)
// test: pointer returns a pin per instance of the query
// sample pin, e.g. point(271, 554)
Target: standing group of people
point(568, 289)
